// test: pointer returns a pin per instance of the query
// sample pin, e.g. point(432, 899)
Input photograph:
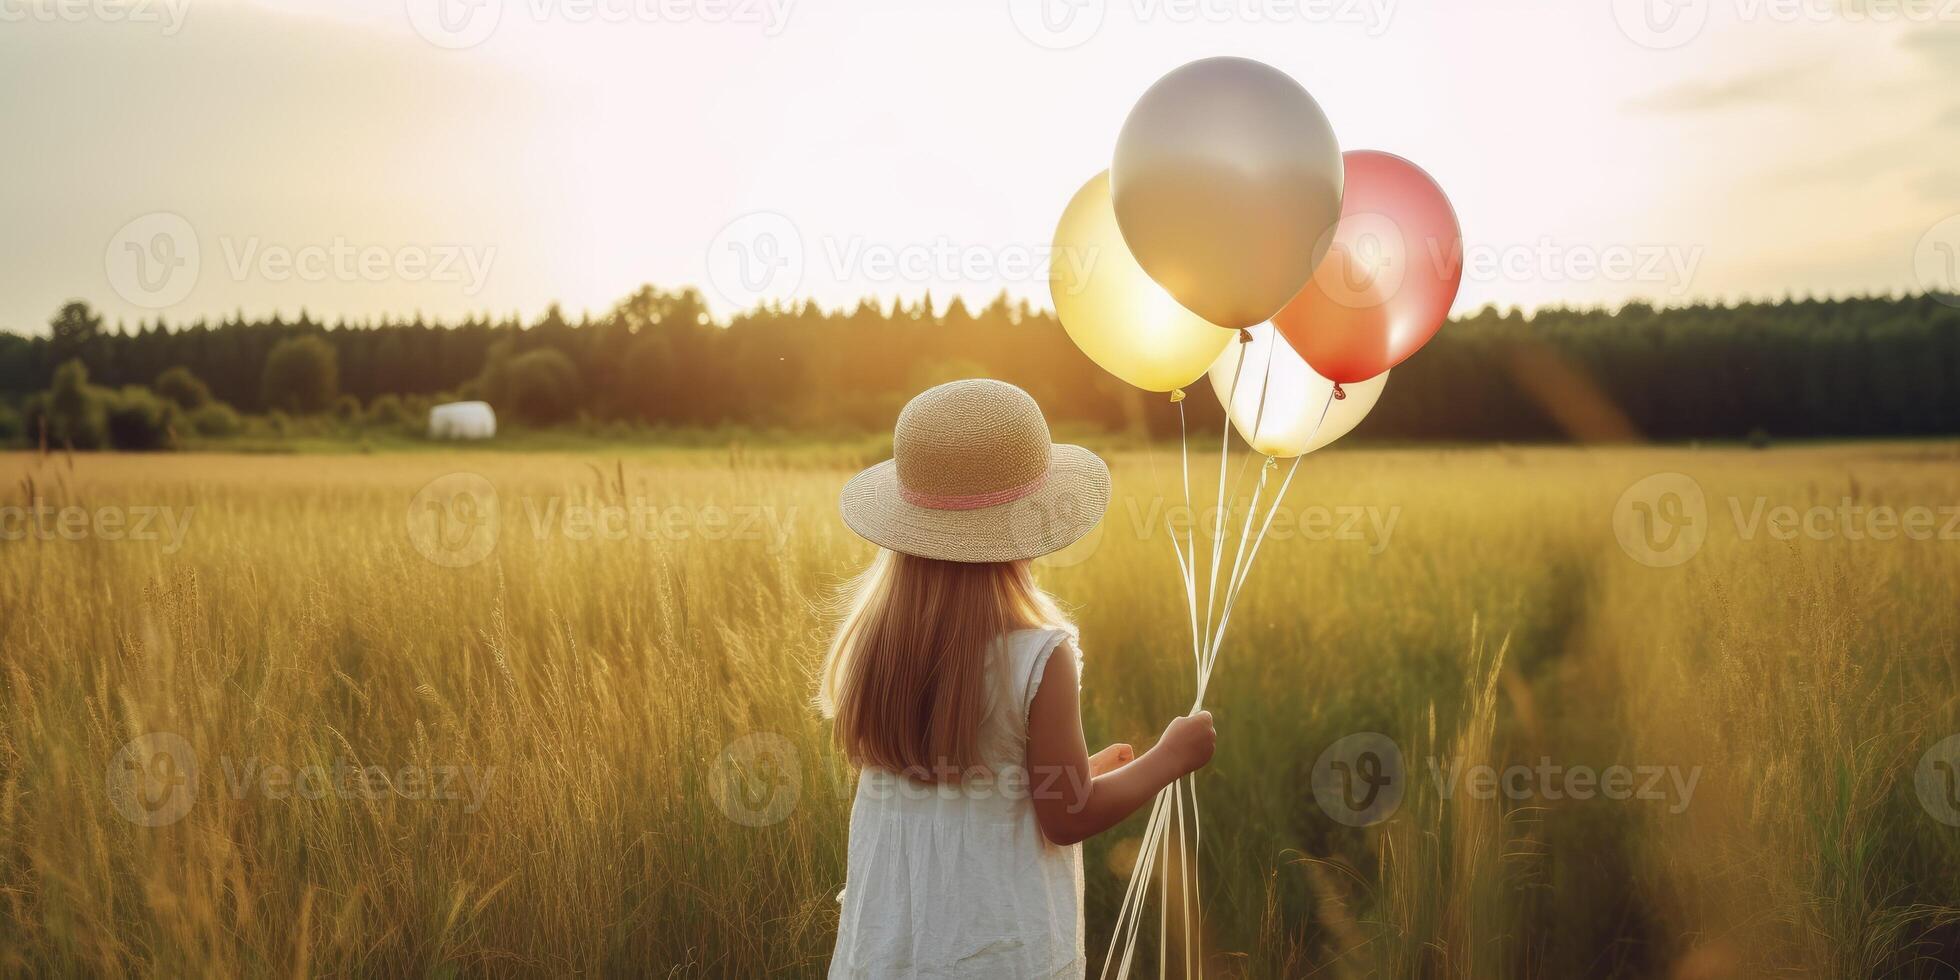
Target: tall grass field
point(1638, 712)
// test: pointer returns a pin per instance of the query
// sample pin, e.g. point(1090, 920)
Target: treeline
point(1795, 368)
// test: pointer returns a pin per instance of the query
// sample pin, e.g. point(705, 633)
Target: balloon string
point(1336, 393)
point(1258, 420)
point(1183, 866)
point(1247, 554)
point(1186, 554)
point(1259, 414)
point(1163, 910)
point(1148, 855)
point(1188, 559)
point(1206, 649)
point(1238, 563)
point(1191, 597)
point(1197, 914)
point(1132, 903)
point(1183, 887)
point(1194, 912)
point(1156, 841)
point(1197, 665)
point(1232, 595)
point(1135, 894)
point(1231, 600)
point(1161, 879)
point(1224, 455)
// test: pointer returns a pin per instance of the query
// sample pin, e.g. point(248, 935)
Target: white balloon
point(1299, 413)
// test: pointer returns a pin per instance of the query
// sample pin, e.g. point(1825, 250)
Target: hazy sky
point(367, 157)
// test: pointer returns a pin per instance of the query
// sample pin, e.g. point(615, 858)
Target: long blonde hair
point(906, 675)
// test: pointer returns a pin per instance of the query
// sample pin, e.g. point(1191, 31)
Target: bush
point(347, 409)
point(216, 419)
point(12, 427)
point(302, 375)
point(387, 410)
point(541, 387)
point(34, 418)
point(415, 413)
point(79, 415)
point(140, 421)
point(72, 412)
point(180, 387)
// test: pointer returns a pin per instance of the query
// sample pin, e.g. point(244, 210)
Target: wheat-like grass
point(618, 700)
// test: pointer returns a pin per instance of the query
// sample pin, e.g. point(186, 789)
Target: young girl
point(976, 785)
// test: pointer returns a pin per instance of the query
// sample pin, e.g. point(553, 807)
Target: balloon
point(1386, 284)
point(1301, 413)
point(1227, 179)
point(1123, 320)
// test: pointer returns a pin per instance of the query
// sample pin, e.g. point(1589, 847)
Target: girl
point(975, 786)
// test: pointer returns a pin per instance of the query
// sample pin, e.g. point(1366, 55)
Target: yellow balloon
point(1282, 407)
point(1114, 311)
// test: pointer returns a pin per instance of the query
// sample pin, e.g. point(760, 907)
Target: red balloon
point(1389, 277)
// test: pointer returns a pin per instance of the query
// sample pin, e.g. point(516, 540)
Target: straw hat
point(974, 478)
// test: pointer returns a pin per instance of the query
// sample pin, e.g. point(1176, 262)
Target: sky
point(362, 158)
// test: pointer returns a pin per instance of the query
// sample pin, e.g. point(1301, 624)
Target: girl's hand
point(1110, 759)
point(1096, 794)
point(1189, 741)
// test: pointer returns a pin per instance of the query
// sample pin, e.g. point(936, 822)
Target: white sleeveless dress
point(956, 879)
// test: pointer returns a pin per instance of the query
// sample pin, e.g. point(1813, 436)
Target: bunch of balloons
point(1230, 211)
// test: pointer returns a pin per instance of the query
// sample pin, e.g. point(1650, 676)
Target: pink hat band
point(971, 501)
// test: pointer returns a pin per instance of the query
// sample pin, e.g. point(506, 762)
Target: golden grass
point(599, 685)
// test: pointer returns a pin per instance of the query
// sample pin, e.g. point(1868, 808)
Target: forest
point(1794, 368)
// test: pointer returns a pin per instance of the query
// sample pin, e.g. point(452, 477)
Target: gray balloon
point(1227, 185)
